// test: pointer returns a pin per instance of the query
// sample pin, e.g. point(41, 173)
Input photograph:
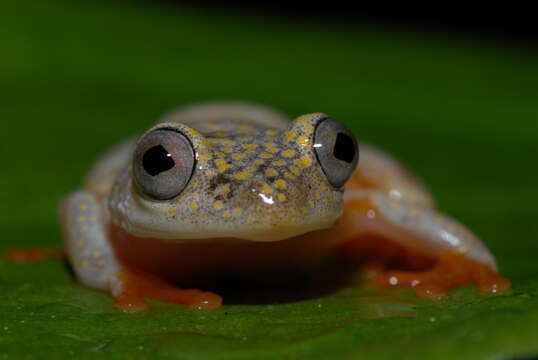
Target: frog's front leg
point(386, 203)
point(85, 226)
point(459, 256)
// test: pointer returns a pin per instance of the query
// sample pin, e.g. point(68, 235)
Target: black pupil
point(157, 160)
point(344, 148)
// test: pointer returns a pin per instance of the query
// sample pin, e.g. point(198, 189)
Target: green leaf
point(77, 76)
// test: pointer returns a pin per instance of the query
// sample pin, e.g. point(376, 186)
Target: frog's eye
point(337, 151)
point(163, 163)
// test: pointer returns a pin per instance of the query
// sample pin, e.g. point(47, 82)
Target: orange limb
point(137, 286)
point(28, 256)
point(430, 278)
point(450, 271)
point(390, 264)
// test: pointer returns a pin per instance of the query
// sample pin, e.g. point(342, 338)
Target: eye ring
point(163, 163)
point(337, 151)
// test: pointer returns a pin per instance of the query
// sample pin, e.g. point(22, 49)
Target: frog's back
point(230, 118)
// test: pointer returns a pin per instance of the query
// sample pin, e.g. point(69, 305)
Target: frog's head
point(236, 181)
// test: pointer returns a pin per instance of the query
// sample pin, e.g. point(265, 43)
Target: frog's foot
point(133, 287)
point(440, 252)
point(28, 256)
point(450, 270)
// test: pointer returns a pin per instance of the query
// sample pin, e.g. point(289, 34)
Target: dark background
point(504, 23)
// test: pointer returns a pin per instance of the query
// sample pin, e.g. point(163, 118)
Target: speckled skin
point(256, 180)
point(244, 170)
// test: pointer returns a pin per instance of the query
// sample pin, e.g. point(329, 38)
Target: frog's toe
point(206, 301)
point(136, 286)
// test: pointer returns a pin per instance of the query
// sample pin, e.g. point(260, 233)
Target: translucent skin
point(257, 200)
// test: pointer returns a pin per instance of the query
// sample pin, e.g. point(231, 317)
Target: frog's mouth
point(261, 232)
point(269, 234)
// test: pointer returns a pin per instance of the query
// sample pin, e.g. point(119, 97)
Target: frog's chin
point(260, 234)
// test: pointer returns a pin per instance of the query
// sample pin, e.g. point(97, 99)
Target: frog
point(235, 188)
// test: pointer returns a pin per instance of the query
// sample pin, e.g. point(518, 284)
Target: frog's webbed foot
point(458, 255)
point(449, 271)
point(132, 287)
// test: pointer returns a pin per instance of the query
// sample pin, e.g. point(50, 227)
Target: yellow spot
point(288, 153)
point(243, 126)
point(222, 165)
point(279, 163)
point(81, 219)
point(289, 176)
point(227, 149)
point(250, 146)
point(213, 141)
point(281, 197)
point(220, 154)
point(303, 140)
point(272, 150)
point(244, 138)
point(250, 169)
point(228, 143)
point(309, 128)
point(290, 135)
point(258, 161)
point(271, 172)
point(226, 214)
point(303, 119)
point(266, 156)
point(303, 162)
point(280, 184)
point(270, 138)
point(295, 170)
point(221, 134)
point(265, 188)
point(243, 175)
point(93, 218)
point(271, 132)
point(172, 211)
point(83, 207)
point(97, 254)
point(81, 242)
point(218, 205)
point(238, 156)
point(270, 144)
point(194, 206)
point(237, 212)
